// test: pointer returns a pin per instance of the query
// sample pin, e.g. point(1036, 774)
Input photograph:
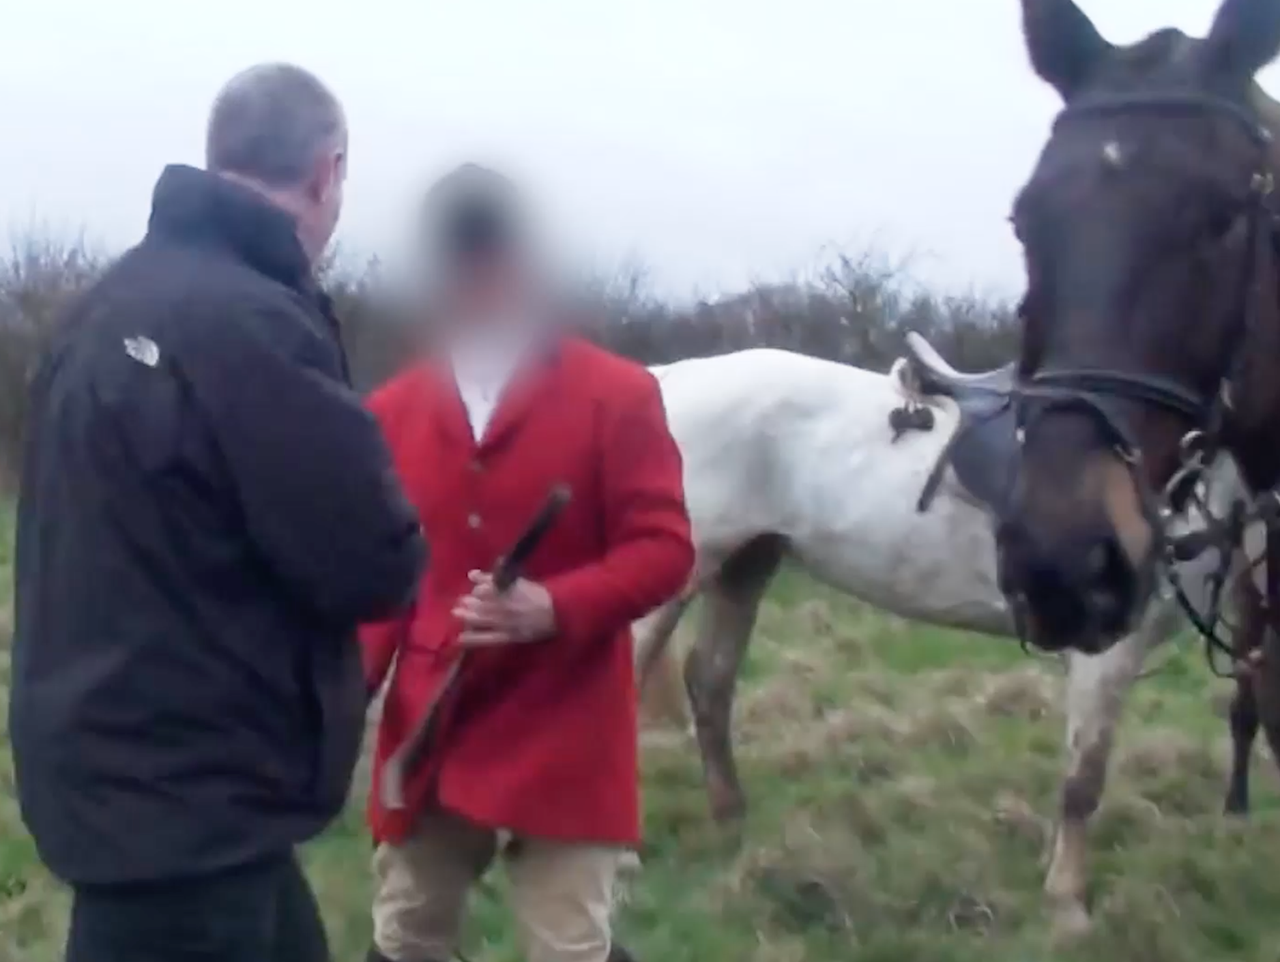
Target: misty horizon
point(718, 144)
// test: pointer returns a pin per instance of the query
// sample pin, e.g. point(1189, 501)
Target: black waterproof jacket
point(206, 514)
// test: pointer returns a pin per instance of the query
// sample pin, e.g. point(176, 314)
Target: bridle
point(1101, 393)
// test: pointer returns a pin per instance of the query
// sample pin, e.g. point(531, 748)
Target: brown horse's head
point(1151, 287)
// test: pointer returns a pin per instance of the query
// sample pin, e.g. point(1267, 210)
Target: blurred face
point(491, 291)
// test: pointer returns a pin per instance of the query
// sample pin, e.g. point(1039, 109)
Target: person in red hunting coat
point(529, 696)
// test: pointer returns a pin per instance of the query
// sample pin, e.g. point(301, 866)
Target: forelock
point(1164, 58)
point(270, 123)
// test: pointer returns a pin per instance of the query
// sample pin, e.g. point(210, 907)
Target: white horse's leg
point(731, 599)
point(1096, 690)
point(662, 692)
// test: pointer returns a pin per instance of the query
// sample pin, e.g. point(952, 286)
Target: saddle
point(935, 376)
point(983, 449)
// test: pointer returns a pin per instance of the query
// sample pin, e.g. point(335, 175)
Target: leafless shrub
point(855, 310)
point(39, 275)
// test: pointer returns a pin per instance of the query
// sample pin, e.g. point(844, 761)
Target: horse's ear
point(1063, 43)
point(1245, 37)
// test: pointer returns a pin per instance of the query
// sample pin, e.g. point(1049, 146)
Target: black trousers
point(264, 912)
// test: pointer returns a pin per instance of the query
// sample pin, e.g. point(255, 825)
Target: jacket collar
point(200, 207)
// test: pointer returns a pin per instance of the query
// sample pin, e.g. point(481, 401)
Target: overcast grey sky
point(719, 141)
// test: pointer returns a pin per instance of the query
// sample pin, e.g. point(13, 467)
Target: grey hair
point(270, 123)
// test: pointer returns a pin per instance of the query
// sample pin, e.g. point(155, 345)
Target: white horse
point(788, 456)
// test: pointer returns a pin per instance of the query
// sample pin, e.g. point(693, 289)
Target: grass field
point(902, 782)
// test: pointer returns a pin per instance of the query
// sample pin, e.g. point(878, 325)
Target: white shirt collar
point(483, 362)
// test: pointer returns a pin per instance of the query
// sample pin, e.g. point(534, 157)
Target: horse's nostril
point(1078, 593)
point(1109, 584)
point(1099, 561)
point(1115, 569)
point(1106, 605)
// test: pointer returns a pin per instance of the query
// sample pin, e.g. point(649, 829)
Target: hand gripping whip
point(505, 574)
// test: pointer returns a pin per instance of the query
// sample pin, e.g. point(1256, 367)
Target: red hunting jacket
point(538, 738)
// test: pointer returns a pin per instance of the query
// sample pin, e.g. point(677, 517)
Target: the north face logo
point(143, 350)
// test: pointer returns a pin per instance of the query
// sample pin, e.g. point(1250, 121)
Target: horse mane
point(908, 387)
point(903, 382)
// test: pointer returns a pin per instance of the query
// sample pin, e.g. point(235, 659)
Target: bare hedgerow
point(38, 276)
point(855, 310)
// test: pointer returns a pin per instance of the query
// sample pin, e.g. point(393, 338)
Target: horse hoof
point(1235, 808)
point(728, 805)
point(727, 838)
point(729, 814)
point(1070, 921)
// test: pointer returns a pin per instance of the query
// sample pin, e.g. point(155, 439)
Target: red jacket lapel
point(451, 421)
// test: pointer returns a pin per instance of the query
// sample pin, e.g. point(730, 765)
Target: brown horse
point(1151, 320)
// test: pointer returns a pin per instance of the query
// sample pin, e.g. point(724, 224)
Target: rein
point(1100, 393)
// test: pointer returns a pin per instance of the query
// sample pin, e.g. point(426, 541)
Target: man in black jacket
point(207, 512)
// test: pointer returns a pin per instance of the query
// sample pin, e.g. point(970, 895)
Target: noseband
point(1102, 393)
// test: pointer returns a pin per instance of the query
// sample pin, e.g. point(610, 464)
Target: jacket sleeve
point(312, 474)
point(649, 554)
point(380, 640)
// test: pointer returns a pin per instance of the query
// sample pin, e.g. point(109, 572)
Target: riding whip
point(505, 574)
point(507, 571)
